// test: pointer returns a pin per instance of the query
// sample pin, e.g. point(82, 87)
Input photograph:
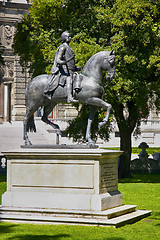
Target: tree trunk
point(126, 126)
point(125, 158)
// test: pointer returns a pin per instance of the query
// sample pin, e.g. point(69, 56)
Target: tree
point(129, 27)
point(137, 44)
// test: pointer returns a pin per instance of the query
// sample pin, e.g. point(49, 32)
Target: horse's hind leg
point(47, 111)
point(29, 117)
point(28, 123)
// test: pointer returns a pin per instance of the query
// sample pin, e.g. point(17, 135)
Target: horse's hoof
point(59, 132)
point(91, 143)
point(101, 125)
point(28, 143)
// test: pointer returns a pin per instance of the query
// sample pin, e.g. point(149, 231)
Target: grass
point(136, 150)
point(2, 185)
point(142, 190)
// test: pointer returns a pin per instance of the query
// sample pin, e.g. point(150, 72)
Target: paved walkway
point(11, 135)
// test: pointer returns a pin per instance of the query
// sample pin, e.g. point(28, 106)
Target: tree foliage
point(135, 38)
point(38, 34)
point(131, 28)
point(78, 126)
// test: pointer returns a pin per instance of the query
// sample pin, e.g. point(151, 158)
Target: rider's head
point(65, 37)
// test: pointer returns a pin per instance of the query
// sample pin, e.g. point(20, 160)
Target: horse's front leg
point(100, 103)
point(105, 120)
point(88, 131)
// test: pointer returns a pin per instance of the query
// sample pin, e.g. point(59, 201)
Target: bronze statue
point(64, 69)
point(91, 92)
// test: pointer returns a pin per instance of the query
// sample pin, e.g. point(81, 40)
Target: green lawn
point(136, 150)
point(143, 190)
point(2, 185)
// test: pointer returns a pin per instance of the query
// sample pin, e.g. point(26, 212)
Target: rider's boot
point(70, 98)
point(77, 82)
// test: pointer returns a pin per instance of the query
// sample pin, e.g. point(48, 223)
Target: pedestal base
point(62, 200)
point(115, 217)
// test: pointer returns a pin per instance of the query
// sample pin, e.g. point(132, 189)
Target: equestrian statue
point(65, 85)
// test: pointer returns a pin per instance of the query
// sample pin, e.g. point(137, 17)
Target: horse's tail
point(31, 125)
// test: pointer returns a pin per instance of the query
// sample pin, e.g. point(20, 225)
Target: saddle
point(58, 79)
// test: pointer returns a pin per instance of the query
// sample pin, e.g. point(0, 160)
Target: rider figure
point(64, 63)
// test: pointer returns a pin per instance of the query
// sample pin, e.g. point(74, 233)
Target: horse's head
point(109, 65)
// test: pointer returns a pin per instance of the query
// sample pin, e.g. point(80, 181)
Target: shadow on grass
point(6, 228)
point(156, 216)
point(39, 237)
point(51, 237)
point(142, 178)
point(3, 178)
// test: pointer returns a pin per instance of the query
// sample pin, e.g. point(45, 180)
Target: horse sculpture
point(91, 93)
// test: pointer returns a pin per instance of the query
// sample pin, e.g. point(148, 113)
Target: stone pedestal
point(72, 179)
point(69, 186)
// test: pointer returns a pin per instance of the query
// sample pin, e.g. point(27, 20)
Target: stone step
point(129, 218)
point(65, 217)
point(107, 214)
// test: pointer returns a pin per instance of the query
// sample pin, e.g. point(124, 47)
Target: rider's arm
point(60, 55)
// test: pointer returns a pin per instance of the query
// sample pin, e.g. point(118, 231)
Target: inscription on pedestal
point(109, 178)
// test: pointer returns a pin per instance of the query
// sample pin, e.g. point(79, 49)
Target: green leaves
point(38, 34)
point(77, 127)
point(135, 30)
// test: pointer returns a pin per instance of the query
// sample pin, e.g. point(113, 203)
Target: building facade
point(13, 79)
